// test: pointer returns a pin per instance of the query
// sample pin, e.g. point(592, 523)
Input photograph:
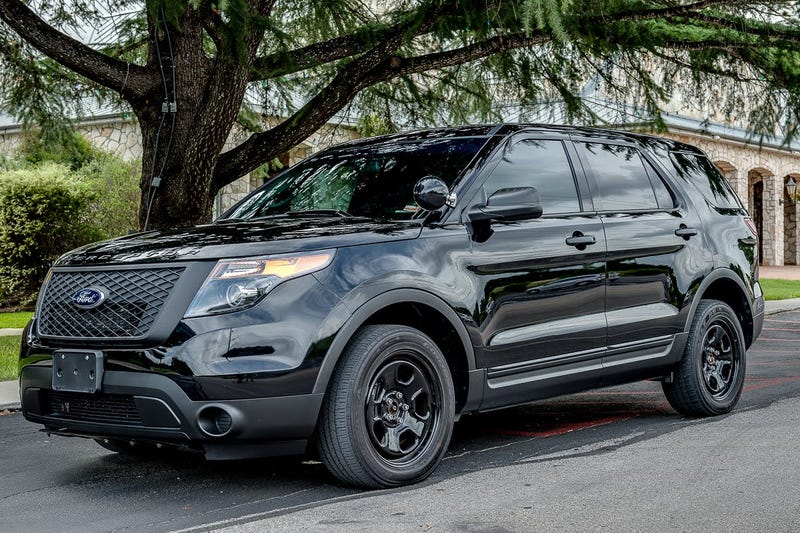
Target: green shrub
point(68, 148)
point(116, 209)
point(44, 212)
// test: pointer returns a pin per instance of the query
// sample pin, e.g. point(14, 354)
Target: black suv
point(363, 300)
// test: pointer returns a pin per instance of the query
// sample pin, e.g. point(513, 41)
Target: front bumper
point(151, 407)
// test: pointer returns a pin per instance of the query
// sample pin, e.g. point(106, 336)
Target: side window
point(542, 164)
point(622, 180)
point(663, 196)
point(698, 170)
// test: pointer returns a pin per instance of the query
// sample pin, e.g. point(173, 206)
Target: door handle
point(685, 232)
point(580, 241)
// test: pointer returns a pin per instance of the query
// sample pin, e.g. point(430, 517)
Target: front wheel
point(709, 379)
point(388, 414)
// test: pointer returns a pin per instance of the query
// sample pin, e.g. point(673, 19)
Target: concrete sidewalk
point(9, 390)
point(9, 395)
point(790, 272)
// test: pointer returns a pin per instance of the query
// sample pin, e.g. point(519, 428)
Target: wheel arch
point(723, 284)
point(423, 311)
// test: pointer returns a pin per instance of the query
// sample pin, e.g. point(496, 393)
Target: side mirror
point(509, 204)
point(430, 193)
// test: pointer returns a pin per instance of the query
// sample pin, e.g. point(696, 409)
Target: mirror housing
point(516, 203)
point(430, 193)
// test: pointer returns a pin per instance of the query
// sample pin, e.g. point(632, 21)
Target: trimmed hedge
point(44, 212)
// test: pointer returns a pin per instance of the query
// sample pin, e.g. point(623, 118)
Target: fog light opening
point(215, 421)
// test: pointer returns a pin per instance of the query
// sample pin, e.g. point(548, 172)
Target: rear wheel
point(709, 379)
point(388, 415)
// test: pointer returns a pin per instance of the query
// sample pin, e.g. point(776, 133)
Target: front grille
point(106, 408)
point(134, 298)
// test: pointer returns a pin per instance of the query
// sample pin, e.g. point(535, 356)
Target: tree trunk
point(182, 147)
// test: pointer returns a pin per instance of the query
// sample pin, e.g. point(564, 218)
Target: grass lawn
point(9, 355)
point(14, 320)
point(780, 289)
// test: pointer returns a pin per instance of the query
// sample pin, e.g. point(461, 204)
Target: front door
point(541, 317)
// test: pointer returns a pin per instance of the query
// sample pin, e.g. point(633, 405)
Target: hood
point(242, 239)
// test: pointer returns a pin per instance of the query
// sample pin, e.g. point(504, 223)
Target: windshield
point(374, 181)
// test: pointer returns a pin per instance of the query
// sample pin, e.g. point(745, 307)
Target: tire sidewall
point(390, 346)
point(710, 315)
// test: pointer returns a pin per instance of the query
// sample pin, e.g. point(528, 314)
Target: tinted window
point(705, 176)
point(622, 181)
point(375, 181)
point(541, 164)
point(663, 196)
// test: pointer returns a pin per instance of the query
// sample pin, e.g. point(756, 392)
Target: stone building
point(758, 173)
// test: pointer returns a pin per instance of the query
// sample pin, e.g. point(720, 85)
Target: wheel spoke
point(378, 392)
point(413, 424)
point(392, 440)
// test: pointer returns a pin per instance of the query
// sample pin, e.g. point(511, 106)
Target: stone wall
point(118, 135)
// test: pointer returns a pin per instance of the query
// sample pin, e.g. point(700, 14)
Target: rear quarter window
point(700, 172)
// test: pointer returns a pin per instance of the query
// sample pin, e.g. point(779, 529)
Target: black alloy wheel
point(719, 358)
point(388, 415)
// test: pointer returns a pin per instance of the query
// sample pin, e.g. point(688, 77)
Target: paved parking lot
point(613, 459)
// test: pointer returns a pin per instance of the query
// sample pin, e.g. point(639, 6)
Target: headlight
point(237, 284)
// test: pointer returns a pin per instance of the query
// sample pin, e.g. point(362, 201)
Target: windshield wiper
point(318, 213)
point(254, 219)
point(290, 214)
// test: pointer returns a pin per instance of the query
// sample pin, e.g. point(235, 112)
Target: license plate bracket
point(77, 370)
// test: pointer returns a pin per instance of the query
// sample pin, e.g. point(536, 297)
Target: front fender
point(347, 328)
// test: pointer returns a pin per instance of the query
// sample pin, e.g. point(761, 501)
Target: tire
point(388, 414)
point(709, 379)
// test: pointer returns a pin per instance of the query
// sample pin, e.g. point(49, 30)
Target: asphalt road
point(613, 459)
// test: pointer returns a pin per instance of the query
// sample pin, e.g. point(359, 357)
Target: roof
point(504, 129)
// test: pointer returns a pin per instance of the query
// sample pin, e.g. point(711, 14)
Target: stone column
point(773, 222)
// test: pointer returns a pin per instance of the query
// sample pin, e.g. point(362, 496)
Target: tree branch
point(350, 81)
point(131, 81)
point(354, 77)
point(288, 62)
point(747, 27)
point(398, 66)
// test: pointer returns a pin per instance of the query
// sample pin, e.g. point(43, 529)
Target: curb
point(781, 306)
point(9, 396)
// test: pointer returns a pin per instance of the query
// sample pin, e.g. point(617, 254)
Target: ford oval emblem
point(88, 298)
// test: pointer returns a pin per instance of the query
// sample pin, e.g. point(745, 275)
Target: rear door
point(655, 251)
point(541, 316)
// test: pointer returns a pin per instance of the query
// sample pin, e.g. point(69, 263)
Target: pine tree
point(185, 68)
